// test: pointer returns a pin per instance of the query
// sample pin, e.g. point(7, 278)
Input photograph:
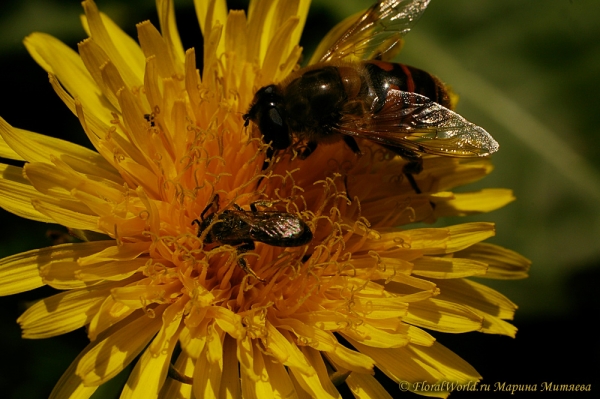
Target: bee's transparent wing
point(412, 121)
point(375, 34)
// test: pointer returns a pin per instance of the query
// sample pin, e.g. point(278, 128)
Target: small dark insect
point(350, 91)
point(241, 228)
point(150, 119)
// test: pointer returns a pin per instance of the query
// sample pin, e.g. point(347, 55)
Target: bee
point(352, 91)
point(241, 228)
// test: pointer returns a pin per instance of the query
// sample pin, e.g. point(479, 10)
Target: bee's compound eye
point(275, 130)
point(275, 117)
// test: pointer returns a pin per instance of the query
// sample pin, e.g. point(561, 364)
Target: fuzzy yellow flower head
point(231, 269)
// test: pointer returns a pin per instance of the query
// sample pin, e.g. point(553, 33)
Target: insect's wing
point(280, 229)
point(229, 227)
point(375, 34)
point(412, 121)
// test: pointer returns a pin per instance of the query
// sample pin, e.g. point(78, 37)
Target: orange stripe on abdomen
point(410, 83)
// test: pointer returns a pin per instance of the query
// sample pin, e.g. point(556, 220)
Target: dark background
point(525, 70)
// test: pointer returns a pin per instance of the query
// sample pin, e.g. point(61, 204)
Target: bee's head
point(268, 113)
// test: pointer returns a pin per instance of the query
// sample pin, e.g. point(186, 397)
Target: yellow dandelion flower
point(173, 202)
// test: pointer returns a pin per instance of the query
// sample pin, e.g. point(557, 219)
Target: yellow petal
point(235, 37)
point(309, 335)
point(258, 22)
point(125, 251)
point(463, 204)
point(301, 13)
point(209, 12)
point(449, 239)
point(375, 337)
point(228, 321)
point(176, 389)
point(502, 263)
point(153, 44)
point(351, 359)
point(5, 150)
point(94, 59)
point(379, 308)
point(399, 364)
point(279, 378)
point(168, 27)
point(111, 271)
point(495, 325)
point(209, 366)
point(148, 375)
point(419, 336)
point(280, 345)
point(442, 316)
point(211, 62)
point(35, 147)
point(230, 381)
point(59, 180)
point(70, 384)
point(141, 177)
point(316, 361)
point(111, 312)
point(67, 217)
point(20, 272)
point(447, 362)
point(489, 304)
point(435, 267)
point(62, 275)
point(127, 47)
point(138, 296)
point(109, 356)
point(245, 355)
point(365, 386)
point(63, 312)
point(463, 171)
point(59, 60)
point(257, 384)
point(16, 193)
point(312, 384)
point(192, 82)
point(299, 389)
point(277, 52)
point(478, 296)
point(100, 34)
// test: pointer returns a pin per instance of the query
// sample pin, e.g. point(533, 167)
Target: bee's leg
point(412, 182)
point(310, 147)
point(264, 203)
point(253, 206)
point(346, 188)
point(413, 167)
point(201, 222)
point(351, 143)
point(245, 247)
point(268, 158)
point(214, 202)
